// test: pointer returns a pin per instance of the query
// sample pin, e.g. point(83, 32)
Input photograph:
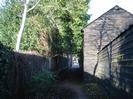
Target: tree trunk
point(26, 10)
point(21, 27)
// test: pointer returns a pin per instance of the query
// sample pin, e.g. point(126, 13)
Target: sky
point(98, 7)
point(1, 1)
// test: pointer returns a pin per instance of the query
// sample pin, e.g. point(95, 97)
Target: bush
point(43, 82)
point(45, 85)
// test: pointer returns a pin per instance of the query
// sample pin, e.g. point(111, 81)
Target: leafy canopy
point(53, 26)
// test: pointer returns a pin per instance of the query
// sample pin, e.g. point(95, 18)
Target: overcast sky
point(1, 1)
point(98, 7)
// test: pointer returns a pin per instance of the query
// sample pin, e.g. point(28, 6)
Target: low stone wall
point(115, 61)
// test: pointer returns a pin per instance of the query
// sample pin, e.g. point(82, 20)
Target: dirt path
point(76, 88)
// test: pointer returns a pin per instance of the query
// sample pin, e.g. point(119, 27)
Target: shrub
point(43, 82)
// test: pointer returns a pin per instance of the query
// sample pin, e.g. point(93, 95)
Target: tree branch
point(33, 6)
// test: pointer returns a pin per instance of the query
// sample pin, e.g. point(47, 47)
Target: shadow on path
point(71, 79)
point(76, 88)
point(103, 89)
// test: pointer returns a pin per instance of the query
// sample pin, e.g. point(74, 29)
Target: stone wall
point(101, 31)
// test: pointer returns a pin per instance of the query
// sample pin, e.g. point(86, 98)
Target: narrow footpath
point(76, 88)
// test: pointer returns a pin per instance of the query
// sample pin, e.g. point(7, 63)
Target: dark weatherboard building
point(101, 31)
point(108, 48)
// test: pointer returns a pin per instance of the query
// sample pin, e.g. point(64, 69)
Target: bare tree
point(25, 11)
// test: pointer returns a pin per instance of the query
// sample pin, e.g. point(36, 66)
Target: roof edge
point(103, 15)
point(122, 33)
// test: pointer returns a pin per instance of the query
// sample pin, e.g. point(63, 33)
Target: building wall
point(116, 62)
point(109, 25)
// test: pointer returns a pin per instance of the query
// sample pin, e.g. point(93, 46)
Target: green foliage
point(10, 20)
point(50, 27)
point(43, 82)
point(69, 17)
point(9, 23)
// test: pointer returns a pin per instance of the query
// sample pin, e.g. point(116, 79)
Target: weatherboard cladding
point(116, 61)
point(110, 25)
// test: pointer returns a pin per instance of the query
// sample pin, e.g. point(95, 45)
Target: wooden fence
point(24, 66)
point(115, 61)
